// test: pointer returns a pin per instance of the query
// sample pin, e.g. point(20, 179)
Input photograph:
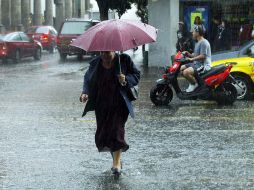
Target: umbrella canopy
point(116, 35)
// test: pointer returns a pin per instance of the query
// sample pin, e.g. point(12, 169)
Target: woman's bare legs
point(112, 159)
point(117, 159)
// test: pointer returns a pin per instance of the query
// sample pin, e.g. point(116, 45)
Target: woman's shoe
point(116, 171)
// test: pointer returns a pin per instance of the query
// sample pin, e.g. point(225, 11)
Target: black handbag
point(132, 93)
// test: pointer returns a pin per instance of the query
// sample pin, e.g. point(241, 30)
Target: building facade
point(165, 15)
point(20, 14)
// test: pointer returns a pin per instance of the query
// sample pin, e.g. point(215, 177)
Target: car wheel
point(161, 95)
point(52, 48)
point(226, 94)
point(95, 54)
point(63, 56)
point(17, 56)
point(37, 55)
point(80, 57)
point(243, 87)
point(5, 60)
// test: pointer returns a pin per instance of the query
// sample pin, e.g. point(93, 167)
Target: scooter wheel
point(161, 95)
point(226, 94)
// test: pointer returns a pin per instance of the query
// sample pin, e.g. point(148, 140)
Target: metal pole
point(119, 62)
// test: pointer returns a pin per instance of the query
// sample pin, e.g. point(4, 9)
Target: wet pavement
point(45, 144)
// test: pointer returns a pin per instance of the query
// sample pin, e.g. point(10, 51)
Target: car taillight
point(45, 38)
point(3, 50)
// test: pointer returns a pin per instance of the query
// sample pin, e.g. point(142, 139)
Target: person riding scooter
point(200, 60)
point(217, 84)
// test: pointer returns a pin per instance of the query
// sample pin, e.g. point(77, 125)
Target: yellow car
point(243, 72)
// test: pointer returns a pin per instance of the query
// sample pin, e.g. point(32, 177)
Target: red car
point(69, 31)
point(17, 45)
point(47, 35)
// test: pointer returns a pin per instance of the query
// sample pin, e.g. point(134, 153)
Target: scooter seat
point(214, 70)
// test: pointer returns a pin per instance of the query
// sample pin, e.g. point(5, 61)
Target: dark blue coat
point(128, 69)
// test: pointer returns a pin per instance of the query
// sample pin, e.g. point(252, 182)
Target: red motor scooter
point(217, 85)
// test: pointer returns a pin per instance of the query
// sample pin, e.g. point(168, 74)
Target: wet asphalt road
point(45, 144)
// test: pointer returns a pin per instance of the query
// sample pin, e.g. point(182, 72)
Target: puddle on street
point(45, 144)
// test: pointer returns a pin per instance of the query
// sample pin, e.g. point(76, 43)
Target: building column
point(1, 25)
point(59, 14)
point(0, 12)
point(167, 23)
point(16, 15)
point(37, 19)
point(68, 8)
point(25, 13)
point(49, 13)
point(87, 5)
point(6, 17)
point(82, 8)
point(75, 6)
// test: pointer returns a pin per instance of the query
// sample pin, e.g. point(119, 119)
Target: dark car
point(69, 31)
point(17, 45)
point(47, 35)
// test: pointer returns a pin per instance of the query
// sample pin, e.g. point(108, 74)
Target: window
point(229, 24)
point(53, 31)
point(251, 50)
point(75, 27)
point(31, 30)
point(12, 37)
point(17, 38)
point(42, 30)
point(24, 37)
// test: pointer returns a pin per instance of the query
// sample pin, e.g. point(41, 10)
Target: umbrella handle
point(119, 62)
point(124, 83)
point(120, 70)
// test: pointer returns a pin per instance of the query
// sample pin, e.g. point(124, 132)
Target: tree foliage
point(142, 10)
point(121, 6)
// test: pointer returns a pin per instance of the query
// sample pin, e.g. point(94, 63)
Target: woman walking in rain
point(109, 83)
point(105, 91)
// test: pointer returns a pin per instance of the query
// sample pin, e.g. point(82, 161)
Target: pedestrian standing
point(184, 39)
point(216, 21)
point(223, 38)
point(198, 22)
point(105, 91)
point(245, 32)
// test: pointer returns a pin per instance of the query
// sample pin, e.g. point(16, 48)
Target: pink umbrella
point(116, 35)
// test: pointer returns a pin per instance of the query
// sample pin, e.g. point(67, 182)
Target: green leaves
point(121, 6)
